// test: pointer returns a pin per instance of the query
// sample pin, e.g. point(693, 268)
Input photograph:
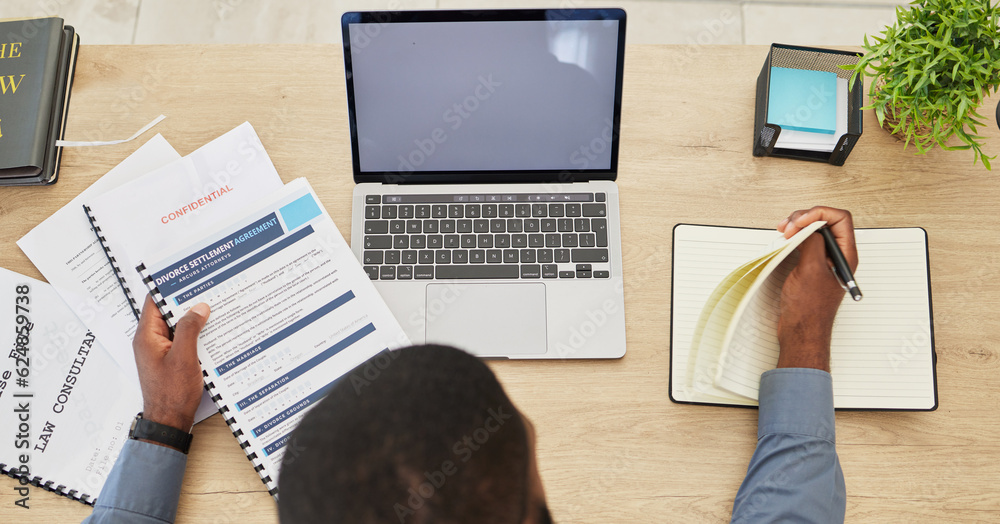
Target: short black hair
point(420, 435)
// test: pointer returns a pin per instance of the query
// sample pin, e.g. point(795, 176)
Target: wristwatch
point(143, 429)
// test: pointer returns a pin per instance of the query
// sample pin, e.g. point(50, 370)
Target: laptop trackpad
point(487, 319)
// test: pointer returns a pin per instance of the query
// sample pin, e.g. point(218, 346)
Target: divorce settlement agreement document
point(155, 199)
point(182, 200)
point(292, 310)
point(55, 374)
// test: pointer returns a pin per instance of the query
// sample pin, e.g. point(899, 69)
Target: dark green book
point(37, 62)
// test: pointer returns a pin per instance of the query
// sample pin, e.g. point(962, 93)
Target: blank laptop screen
point(484, 95)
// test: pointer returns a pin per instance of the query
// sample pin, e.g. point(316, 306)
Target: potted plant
point(930, 71)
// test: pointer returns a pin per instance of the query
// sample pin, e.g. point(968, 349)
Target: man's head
point(423, 434)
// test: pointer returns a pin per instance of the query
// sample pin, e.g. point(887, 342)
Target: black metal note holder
point(815, 59)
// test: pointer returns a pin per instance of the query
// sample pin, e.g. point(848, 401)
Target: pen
point(840, 267)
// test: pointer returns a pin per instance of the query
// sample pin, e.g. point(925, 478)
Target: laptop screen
point(450, 96)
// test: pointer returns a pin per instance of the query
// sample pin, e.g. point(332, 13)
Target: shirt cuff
point(796, 401)
point(146, 480)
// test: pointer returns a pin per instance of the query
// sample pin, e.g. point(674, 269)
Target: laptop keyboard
point(492, 236)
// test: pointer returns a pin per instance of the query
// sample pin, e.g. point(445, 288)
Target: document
point(152, 199)
point(65, 407)
point(292, 311)
point(66, 251)
point(181, 199)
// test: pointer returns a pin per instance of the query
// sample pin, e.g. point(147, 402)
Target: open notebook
point(726, 287)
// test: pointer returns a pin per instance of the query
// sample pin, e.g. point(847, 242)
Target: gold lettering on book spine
point(10, 50)
point(10, 83)
point(13, 51)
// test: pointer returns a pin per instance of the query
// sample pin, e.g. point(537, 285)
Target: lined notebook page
point(702, 257)
point(882, 350)
point(710, 332)
point(882, 346)
point(753, 338)
point(750, 346)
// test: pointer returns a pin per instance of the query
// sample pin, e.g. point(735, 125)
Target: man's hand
point(168, 369)
point(811, 295)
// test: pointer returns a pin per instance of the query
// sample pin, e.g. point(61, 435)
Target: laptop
point(485, 149)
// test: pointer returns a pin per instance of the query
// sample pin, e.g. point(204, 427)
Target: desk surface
point(611, 445)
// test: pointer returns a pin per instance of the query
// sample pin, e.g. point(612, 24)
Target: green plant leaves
point(931, 69)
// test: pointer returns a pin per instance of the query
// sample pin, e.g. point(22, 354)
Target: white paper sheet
point(64, 248)
point(129, 202)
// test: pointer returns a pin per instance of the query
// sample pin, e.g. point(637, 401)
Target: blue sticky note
point(803, 100)
point(299, 212)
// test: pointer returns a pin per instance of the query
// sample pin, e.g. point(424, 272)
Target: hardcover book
point(37, 63)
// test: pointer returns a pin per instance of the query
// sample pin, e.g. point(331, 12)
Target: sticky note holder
point(816, 59)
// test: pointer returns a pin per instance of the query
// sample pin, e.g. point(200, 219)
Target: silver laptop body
point(485, 149)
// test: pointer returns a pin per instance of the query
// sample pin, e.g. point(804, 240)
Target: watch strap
point(144, 429)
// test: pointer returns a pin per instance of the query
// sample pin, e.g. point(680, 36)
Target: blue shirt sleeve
point(794, 475)
point(143, 487)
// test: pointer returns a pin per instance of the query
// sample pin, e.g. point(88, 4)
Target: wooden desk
point(612, 447)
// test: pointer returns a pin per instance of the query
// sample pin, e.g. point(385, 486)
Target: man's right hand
point(811, 294)
point(169, 373)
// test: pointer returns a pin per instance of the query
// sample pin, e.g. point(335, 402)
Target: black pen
point(840, 267)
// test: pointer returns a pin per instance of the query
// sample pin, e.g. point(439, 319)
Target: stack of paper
point(154, 197)
point(158, 201)
point(810, 106)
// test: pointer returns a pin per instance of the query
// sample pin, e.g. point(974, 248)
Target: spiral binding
point(111, 260)
point(47, 485)
point(234, 426)
point(237, 431)
point(168, 316)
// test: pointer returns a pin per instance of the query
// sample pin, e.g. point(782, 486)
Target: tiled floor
point(805, 22)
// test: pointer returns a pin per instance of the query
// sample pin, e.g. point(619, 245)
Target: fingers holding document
point(169, 373)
